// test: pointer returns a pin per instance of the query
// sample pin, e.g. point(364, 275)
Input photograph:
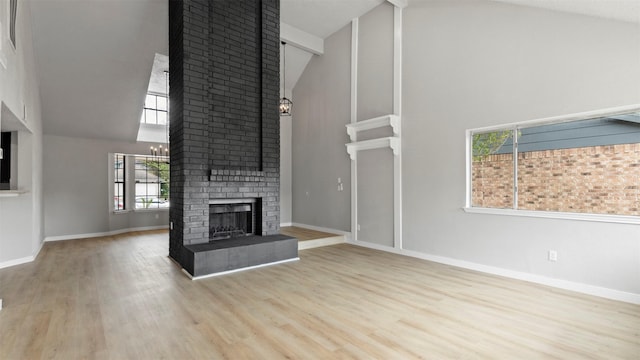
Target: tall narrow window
point(118, 182)
point(152, 182)
point(13, 12)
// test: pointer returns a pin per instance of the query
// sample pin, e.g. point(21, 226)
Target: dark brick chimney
point(224, 132)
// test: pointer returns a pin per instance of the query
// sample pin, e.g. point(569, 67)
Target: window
point(8, 160)
point(155, 110)
point(586, 163)
point(119, 182)
point(146, 177)
point(13, 11)
point(151, 182)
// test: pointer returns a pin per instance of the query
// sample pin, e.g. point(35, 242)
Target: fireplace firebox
point(231, 218)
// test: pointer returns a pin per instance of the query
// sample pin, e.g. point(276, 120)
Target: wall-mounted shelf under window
point(11, 193)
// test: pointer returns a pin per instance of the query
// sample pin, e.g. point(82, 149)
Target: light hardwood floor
point(122, 298)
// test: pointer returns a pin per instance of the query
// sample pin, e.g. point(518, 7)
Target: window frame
point(129, 183)
point(514, 211)
point(123, 181)
point(12, 19)
point(155, 109)
point(134, 182)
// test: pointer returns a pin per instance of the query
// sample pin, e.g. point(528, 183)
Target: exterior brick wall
point(224, 76)
point(599, 179)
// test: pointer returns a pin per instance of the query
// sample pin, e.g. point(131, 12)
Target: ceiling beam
point(399, 3)
point(301, 39)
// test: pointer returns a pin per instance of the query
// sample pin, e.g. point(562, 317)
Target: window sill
point(12, 193)
point(119, 212)
point(619, 219)
point(150, 210)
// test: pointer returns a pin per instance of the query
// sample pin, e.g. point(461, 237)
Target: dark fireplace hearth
point(231, 218)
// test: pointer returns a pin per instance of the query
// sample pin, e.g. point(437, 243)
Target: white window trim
point(150, 210)
point(609, 218)
point(620, 219)
point(112, 157)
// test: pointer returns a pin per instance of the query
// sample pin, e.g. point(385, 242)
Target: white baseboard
point(346, 234)
point(538, 279)
point(14, 262)
point(106, 233)
point(24, 260)
point(286, 224)
point(310, 244)
point(237, 270)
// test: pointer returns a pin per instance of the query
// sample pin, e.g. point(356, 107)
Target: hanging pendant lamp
point(285, 104)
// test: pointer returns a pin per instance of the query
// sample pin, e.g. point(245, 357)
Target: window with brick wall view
point(581, 166)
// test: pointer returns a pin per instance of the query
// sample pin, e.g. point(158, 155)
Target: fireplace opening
point(231, 218)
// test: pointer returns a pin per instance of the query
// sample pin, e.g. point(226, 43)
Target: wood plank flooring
point(121, 297)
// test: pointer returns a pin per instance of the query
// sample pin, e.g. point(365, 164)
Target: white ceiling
point(625, 10)
point(323, 17)
point(94, 57)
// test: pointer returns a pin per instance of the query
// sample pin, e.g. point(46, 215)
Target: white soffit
point(301, 39)
point(622, 10)
point(323, 17)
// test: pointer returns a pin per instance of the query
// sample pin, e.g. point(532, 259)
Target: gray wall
point(375, 196)
point(499, 64)
point(21, 223)
point(375, 63)
point(319, 157)
point(76, 188)
point(375, 98)
point(470, 64)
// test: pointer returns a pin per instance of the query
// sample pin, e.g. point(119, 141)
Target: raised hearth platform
point(237, 253)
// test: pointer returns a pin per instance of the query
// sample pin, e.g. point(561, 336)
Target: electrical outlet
point(553, 255)
point(358, 227)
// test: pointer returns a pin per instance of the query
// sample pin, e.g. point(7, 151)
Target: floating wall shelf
point(392, 142)
point(386, 142)
point(382, 121)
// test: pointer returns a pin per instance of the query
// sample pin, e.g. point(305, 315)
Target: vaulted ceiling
point(94, 57)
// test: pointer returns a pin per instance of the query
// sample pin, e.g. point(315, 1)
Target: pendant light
point(285, 104)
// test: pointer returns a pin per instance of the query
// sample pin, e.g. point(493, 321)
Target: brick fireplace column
point(224, 130)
